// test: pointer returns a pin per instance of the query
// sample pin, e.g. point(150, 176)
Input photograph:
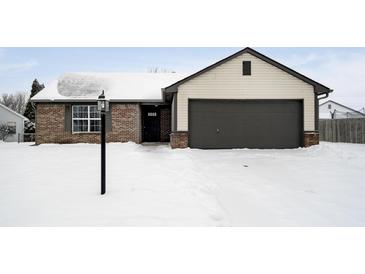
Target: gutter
point(326, 94)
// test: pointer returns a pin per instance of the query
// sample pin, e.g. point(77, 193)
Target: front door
point(151, 124)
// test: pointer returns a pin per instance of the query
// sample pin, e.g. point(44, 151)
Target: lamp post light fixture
point(103, 107)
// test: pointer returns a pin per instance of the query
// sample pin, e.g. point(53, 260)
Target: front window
point(85, 119)
point(11, 127)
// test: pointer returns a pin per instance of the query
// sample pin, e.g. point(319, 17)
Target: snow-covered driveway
point(51, 185)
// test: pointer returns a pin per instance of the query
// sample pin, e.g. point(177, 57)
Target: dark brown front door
point(151, 124)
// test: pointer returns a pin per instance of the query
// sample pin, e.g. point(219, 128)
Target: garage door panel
point(245, 123)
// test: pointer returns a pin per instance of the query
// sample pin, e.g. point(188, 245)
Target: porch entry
point(151, 124)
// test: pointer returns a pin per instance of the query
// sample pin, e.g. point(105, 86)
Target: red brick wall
point(50, 125)
point(165, 124)
point(311, 138)
point(126, 123)
point(179, 139)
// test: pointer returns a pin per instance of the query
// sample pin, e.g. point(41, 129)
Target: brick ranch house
point(246, 100)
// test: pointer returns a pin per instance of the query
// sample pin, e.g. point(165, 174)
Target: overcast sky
point(342, 69)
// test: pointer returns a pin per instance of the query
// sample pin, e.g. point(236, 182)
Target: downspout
point(326, 94)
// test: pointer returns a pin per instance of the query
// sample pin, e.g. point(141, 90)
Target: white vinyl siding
point(227, 82)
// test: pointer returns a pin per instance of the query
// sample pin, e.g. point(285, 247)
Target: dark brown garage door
point(245, 123)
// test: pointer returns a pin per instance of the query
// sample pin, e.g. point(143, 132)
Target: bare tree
point(160, 70)
point(16, 102)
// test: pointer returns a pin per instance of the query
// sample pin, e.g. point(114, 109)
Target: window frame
point(249, 68)
point(88, 119)
point(11, 124)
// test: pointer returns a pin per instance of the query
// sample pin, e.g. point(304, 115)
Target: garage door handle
point(218, 130)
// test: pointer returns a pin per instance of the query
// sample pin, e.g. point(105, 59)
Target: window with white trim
point(85, 119)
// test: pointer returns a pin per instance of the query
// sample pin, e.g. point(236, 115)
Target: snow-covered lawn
point(51, 185)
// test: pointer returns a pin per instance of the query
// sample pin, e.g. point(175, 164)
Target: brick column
point(165, 124)
point(311, 138)
point(179, 139)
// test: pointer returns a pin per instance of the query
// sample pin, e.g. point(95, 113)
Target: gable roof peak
point(13, 111)
point(318, 88)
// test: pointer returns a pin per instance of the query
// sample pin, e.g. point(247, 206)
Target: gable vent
point(246, 68)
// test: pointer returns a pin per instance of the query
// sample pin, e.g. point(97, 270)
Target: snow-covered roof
point(117, 86)
point(14, 112)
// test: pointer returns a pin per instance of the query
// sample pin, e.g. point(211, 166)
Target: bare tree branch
point(16, 102)
point(160, 70)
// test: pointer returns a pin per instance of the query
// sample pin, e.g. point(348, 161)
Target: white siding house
point(333, 110)
point(14, 121)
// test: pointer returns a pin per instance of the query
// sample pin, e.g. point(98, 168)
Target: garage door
point(245, 123)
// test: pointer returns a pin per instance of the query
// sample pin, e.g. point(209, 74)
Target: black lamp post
point(103, 107)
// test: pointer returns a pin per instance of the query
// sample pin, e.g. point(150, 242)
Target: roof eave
point(319, 89)
point(14, 112)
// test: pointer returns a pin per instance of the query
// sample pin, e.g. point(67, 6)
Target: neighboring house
point(245, 100)
point(14, 122)
point(333, 110)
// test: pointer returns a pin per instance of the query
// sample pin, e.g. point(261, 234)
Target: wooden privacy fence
point(342, 130)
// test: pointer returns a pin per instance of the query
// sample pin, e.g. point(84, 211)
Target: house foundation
point(311, 138)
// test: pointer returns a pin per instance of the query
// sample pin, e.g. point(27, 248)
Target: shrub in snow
point(29, 127)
